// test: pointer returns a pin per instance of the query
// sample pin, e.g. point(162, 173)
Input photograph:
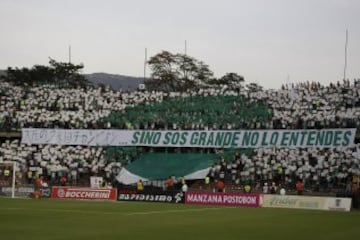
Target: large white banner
point(303, 138)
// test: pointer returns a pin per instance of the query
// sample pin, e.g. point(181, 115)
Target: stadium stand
point(296, 106)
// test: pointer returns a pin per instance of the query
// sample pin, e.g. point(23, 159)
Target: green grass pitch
point(49, 219)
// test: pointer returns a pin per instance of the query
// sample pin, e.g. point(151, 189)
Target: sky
point(269, 42)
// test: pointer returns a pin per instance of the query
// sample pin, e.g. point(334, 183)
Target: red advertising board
point(84, 193)
point(226, 199)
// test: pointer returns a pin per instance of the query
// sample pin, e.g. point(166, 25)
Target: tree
point(230, 79)
point(18, 76)
point(57, 73)
point(41, 74)
point(176, 72)
point(164, 76)
point(68, 73)
point(254, 87)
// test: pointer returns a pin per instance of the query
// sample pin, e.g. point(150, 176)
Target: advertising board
point(307, 202)
point(84, 193)
point(165, 197)
point(226, 199)
point(25, 192)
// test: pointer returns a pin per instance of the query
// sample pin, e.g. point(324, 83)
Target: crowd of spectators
point(318, 169)
point(295, 106)
point(305, 105)
point(76, 163)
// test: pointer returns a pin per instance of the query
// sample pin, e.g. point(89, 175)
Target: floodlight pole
point(346, 46)
point(185, 47)
point(69, 53)
point(145, 62)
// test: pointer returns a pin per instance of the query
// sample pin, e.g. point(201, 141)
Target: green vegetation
point(176, 72)
point(60, 74)
point(51, 219)
point(180, 72)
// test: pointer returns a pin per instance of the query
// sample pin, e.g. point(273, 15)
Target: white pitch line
point(176, 211)
point(121, 213)
point(61, 210)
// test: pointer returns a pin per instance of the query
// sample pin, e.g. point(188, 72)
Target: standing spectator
point(74, 177)
point(139, 186)
point(19, 177)
point(355, 192)
point(39, 183)
point(247, 188)
point(38, 187)
point(220, 186)
point(184, 187)
point(299, 187)
point(273, 188)
point(53, 177)
point(7, 174)
point(63, 180)
point(266, 188)
point(207, 182)
point(169, 183)
point(280, 174)
point(282, 191)
point(29, 176)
